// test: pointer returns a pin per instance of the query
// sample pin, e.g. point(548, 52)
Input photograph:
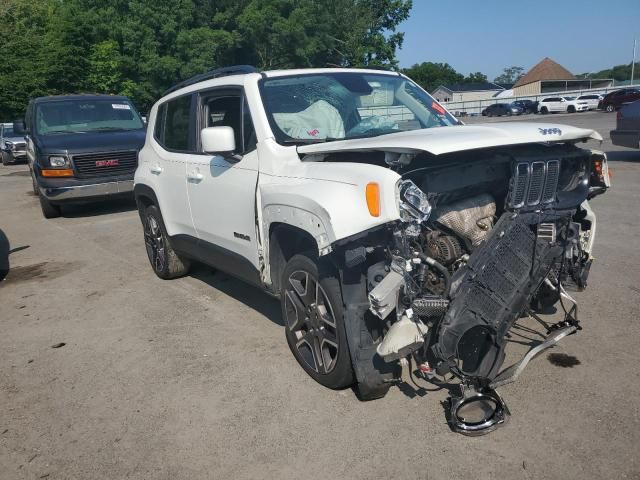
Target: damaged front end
point(481, 242)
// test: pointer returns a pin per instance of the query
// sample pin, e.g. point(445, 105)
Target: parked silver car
point(12, 146)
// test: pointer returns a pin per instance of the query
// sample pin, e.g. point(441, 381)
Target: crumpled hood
point(458, 138)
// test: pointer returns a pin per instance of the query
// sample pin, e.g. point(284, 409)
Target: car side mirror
point(19, 127)
point(218, 140)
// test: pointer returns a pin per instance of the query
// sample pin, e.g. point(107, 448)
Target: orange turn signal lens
point(372, 193)
point(62, 172)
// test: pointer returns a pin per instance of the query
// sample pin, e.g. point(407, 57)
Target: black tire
point(609, 108)
point(5, 159)
point(164, 260)
point(571, 109)
point(49, 210)
point(34, 184)
point(311, 289)
point(544, 110)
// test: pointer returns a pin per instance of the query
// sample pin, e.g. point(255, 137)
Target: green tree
point(432, 75)
point(477, 77)
point(510, 75)
point(141, 47)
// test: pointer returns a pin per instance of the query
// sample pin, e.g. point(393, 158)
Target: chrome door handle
point(157, 169)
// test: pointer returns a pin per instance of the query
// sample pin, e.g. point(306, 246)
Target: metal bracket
point(510, 374)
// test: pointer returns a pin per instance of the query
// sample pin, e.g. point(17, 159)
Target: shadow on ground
point(106, 207)
point(251, 296)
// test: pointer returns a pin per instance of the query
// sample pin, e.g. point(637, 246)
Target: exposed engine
point(480, 244)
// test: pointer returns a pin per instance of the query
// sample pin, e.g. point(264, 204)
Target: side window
point(161, 116)
point(172, 124)
point(231, 111)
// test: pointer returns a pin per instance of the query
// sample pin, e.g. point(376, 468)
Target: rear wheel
point(571, 109)
point(49, 210)
point(609, 108)
point(544, 110)
point(312, 309)
point(166, 263)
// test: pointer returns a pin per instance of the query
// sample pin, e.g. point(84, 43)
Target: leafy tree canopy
point(510, 75)
point(432, 75)
point(141, 47)
point(619, 73)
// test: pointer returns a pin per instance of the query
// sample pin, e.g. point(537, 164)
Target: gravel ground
point(192, 378)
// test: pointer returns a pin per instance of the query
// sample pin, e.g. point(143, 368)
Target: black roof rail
point(218, 72)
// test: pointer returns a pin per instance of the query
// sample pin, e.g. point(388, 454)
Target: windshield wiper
point(303, 141)
point(58, 132)
point(109, 129)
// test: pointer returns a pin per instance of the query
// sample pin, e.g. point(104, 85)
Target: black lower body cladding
point(491, 292)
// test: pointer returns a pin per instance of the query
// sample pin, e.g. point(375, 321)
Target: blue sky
point(488, 35)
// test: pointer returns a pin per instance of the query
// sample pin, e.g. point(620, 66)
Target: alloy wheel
point(311, 321)
point(154, 243)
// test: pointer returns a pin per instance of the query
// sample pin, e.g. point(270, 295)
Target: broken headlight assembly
point(413, 202)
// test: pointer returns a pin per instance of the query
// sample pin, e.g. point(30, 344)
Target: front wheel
point(5, 158)
point(166, 263)
point(609, 108)
point(49, 210)
point(313, 313)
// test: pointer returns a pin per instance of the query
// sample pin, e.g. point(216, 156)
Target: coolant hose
point(441, 268)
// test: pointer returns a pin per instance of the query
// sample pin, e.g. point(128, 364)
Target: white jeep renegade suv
point(391, 233)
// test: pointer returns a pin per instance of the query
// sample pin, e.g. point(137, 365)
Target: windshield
point(8, 132)
point(334, 106)
point(81, 116)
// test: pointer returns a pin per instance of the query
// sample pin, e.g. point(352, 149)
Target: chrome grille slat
point(85, 164)
point(534, 183)
point(551, 184)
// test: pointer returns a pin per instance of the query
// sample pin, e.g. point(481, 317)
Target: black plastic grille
point(106, 163)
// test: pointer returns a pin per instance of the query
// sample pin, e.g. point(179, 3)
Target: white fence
point(474, 107)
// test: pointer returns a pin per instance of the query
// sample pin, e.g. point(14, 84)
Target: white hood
point(458, 138)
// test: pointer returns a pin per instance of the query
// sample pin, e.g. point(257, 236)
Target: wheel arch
point(144, 196)
point(285, 241)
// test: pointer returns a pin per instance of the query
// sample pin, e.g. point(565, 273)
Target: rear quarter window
point(172, 124)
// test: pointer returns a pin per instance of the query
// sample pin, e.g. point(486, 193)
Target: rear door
point(166, 160)
point(222, 191)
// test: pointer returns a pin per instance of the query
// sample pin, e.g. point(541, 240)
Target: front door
point(222, 191)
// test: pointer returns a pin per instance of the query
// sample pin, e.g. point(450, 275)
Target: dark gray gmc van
point(81, 148)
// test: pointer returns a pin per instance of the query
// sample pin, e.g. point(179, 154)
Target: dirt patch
point(563, 360)
point(40, 271)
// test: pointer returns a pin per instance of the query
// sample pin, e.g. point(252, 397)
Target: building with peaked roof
point(463, 92)
point(550, 77)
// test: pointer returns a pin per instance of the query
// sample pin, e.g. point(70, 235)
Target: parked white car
point(561, 104)
point(392, 234)
point(592, 100)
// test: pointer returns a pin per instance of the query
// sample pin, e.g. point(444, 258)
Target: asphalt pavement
point(107, 372)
